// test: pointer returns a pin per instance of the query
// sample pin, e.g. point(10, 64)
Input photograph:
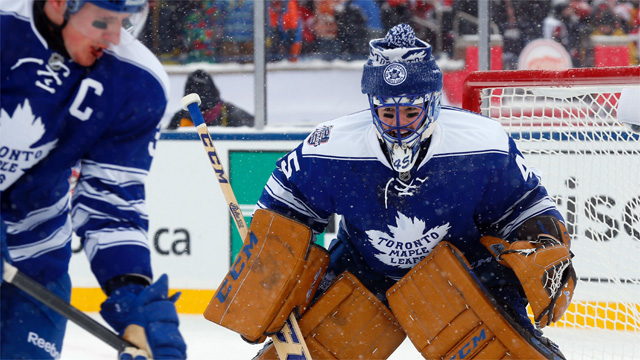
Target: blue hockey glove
point(151, 308)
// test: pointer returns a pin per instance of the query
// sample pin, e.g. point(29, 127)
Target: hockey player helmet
point(137, 11)
point(401, 72)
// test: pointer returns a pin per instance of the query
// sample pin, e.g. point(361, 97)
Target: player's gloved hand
point(151, 309)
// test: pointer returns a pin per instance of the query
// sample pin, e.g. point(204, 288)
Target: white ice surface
point(206, 340)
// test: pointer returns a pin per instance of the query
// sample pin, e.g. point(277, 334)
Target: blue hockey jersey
point(472, 182)
point(56, 115)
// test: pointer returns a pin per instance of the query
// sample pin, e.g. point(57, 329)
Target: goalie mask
point(404, 86)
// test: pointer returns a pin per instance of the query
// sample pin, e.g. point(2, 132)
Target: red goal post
point(565, 124)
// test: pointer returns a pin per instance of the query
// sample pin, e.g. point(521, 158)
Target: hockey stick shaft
point(289, 340)
point(212, 155)
point(13, 276)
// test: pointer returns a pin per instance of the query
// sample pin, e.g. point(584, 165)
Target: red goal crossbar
point(479, 80)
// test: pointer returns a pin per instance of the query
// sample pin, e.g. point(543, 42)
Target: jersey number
point(526, 172)
point(289, 164)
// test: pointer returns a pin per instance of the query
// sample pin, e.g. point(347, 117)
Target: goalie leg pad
point(447, 313)
point(347, 322)
point(276, 271)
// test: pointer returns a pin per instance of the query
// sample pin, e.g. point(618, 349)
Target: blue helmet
point(402, 72)
point(128, 6)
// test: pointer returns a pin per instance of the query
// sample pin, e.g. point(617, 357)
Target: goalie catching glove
point(542, 263)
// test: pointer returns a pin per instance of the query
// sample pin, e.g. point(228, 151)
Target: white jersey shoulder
point(351, 137)
point(459, 133)
point(134, 52)
point(22, 9)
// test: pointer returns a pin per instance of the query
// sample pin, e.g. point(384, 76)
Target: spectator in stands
point(307, 15)
point(605, 20)
point(462, 8)
point(554, 25)
point(202, 32)
point(624, 11)
point(215, 111)
point(237, 30)
point(166, 38)
point(634, 32)
point(353, 35)
point(285, 30)
point(373, 19)
point(394, 12)
point(529, 16)
point(580, 28)
point(325, 29)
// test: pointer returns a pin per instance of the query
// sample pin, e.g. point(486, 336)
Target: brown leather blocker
point(545, 272)
point(347, 322)
point(276, 271)
point(447, 313)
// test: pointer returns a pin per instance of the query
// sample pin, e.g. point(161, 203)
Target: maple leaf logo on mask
point(406, 243)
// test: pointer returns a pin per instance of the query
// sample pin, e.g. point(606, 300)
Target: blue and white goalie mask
point(404, 86)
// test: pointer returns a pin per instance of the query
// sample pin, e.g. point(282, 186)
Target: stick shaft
point(13, 276)
point(289, 340)
point(216, 164)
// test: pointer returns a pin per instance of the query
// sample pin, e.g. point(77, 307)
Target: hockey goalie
point(446, 235)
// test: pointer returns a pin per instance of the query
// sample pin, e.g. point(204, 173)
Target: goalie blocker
point(277, 271)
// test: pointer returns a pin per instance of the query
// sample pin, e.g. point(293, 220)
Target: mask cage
point(391, 131)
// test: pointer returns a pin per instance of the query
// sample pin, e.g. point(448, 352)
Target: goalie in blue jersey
point(78, 90)
point(445, 233)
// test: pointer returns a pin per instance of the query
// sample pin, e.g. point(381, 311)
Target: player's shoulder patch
point(320, 135)
point(345, 138)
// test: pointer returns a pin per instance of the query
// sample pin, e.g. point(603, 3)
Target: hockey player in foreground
point(445, 236)
point(79, 90)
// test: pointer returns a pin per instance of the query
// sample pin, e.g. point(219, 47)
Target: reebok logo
point(50, 348)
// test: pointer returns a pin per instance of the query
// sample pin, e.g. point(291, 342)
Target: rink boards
point(193, 239)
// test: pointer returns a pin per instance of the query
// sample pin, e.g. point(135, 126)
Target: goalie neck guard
point(401, 73)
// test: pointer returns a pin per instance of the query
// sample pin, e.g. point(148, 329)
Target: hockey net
point(565, 124)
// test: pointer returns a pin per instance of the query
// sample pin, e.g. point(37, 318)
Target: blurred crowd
point(218, 31)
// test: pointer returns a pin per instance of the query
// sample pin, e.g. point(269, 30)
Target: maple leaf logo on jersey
point(406, 243)
point(17, 153)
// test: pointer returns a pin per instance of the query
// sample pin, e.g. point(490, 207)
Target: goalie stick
point(289, 341)
point(13, 276)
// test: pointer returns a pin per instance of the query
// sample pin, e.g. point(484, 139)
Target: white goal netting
point(565, 124)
